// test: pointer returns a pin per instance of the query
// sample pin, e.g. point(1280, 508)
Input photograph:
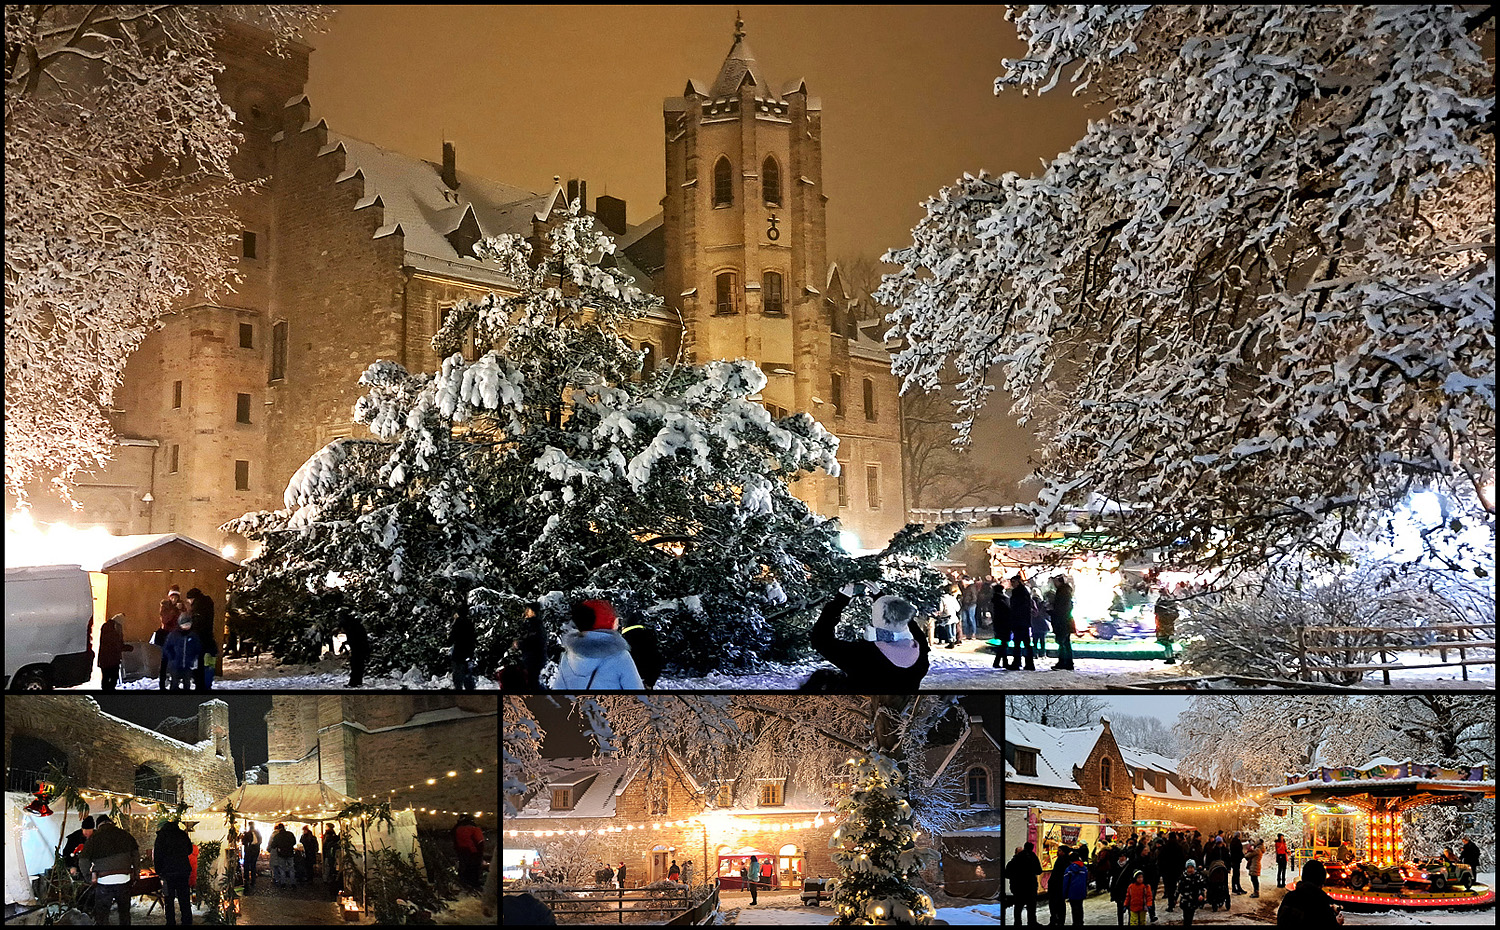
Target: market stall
point(1051, 826)
point(1382, 873)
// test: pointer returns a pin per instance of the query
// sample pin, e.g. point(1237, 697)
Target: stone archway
point(27, 757)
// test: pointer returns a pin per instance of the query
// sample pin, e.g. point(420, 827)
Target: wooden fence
point(1386, 641)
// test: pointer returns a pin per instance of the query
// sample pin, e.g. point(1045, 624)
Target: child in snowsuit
point(182, 653)
point(1191, 891)
point(1075, 888)
point(1137, 896)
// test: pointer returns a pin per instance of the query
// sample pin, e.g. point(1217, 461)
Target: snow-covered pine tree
point(1257, 296)
point(539, 470)
point(876, 851)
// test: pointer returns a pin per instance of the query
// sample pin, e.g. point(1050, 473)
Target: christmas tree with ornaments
point(876, 851)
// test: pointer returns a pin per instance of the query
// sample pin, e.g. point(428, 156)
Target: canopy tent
point(270, 803)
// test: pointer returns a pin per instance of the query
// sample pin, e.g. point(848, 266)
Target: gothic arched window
point(770, 181)
point(723, 182)
point(979, 787)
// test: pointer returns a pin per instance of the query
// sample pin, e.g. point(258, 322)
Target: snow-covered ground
point(968, 667)
point(786, 911)
point(329, 674)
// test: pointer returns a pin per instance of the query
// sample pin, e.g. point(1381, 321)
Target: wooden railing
point(1386, 641)
point(593, 901)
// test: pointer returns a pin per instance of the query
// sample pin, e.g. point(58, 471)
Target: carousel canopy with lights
point(267, 803)
point(1390, 784)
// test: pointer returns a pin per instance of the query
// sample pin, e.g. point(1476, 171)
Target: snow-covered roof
point(976, 724)
point(598, 800)
point(1059, 751)
point(636, 233)
point(423, 718)
point(1413, 784)
point(96, 551)
point(1156, 762)
point(1048, 805)
point(413, 196)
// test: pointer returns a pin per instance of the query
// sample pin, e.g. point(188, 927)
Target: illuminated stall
point(1381, 875)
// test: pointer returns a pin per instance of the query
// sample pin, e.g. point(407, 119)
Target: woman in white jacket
point(595, 655)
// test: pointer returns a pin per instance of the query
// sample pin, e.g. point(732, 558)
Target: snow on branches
point(876, 850)
point(1257, 295)
point(118, 190)
point(540, 466)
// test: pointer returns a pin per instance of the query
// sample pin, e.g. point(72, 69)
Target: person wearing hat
point(1022, 872)
point(112, 857)
point(181, 653)
point(173, 857)
point(1192, 891)
point(201, 607)
point(71, 847)
point(1308, 905)
point(892, 657)
point(112, 646)
point(595, 655)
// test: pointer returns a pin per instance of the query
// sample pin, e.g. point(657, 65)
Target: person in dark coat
point(182, 654)
point(1056, 900)
point(1192, 891)
point(357, 638)
point(1061, 611)
point(461, 643)
point(112, 646)
point(282, 845)
point(1170, 861)
point(173, 858)
point(1308, 905)
point(1018, 628)
point(525, 910)
point(1236, 856)
point(1166, 624)
point(1470, 855)
point(531, 644)
point(752, 877)
point(891, 659)
point(1022, 872)
point(645, 649)
point(251, 840)
point(309, 853)
point(201, 606)
point(1119, 882)
point(331, 861)
point(111, 859)
point(1075, 887)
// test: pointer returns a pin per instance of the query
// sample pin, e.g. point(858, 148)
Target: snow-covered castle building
point(350, 253)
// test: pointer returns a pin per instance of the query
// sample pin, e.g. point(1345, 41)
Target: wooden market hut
point(132, 574)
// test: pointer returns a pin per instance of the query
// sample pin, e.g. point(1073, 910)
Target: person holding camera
point(891, 659)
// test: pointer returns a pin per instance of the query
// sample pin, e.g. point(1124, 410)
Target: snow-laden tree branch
point(538, 470)
point(1258, 294)
point(118, 191)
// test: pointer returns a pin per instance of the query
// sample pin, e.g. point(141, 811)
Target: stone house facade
point(350, 253)
point(1074, 765)
point(368, 745)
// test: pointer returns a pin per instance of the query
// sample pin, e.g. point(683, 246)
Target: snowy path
point(329, 674)
point(969, 668)
point(979, 914)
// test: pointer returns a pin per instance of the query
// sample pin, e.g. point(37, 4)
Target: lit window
point(726, 795)
point(770, 794)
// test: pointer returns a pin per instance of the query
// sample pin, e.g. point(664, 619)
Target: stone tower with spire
point(745, 246)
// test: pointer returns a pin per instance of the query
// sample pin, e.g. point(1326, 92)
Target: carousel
point(1382, 875)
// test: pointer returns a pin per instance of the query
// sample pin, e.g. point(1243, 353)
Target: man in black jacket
point(891, 659)
point(645, 649)
point(1056, 899)
point(461, 642)
point(1022, 872)
point(112, 856)
point(1018, 628)
point(173, 857)
point(1236, 856)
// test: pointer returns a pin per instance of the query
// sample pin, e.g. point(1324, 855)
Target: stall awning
point(283, 802)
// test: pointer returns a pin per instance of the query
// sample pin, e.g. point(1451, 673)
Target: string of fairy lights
point(127, 798)
point(1203, 805)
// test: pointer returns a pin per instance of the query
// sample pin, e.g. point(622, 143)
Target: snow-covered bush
point(1257, 295)
point(540, 471)
point(1256, 630)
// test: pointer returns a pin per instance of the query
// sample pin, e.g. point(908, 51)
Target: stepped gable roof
point(1059, 750)
point(412, 193)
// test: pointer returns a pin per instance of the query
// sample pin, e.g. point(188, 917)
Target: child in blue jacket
point(1075, 887)
point(181, 652)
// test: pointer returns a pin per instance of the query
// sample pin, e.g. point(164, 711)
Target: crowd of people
point(1185, 870)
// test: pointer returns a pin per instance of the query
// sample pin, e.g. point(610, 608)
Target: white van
point(49, 627)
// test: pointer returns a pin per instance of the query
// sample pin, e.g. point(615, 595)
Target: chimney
point(572, 190)
point(578, 192)
point(611, 213)
point(450, 167)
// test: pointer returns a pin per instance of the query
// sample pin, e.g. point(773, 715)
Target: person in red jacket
point(468, 840)
point(112, 646)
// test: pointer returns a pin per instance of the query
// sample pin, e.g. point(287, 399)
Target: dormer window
point(725, 795)
point(772, 792)
point(562, 799)
point(1026, 762)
